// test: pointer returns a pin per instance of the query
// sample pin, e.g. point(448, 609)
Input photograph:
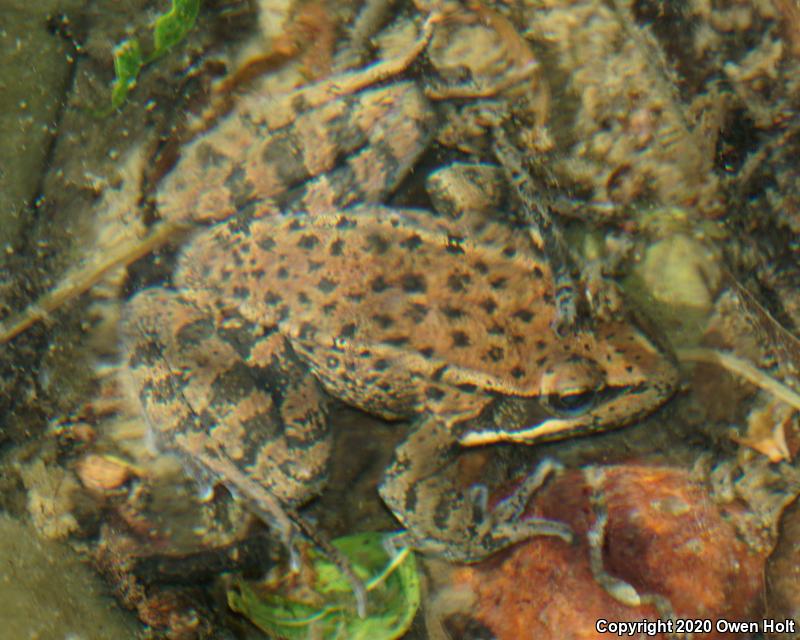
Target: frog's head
point(591, 381)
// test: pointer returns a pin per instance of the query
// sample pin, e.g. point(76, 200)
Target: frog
point(397, 312)
point(301, 289)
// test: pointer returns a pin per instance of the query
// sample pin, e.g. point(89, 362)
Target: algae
point(33, 82)
point(46, 591)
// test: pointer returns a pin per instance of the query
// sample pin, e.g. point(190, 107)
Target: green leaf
point(127, 63)
point(171, 27)
point(168, 30)
point(328, 612)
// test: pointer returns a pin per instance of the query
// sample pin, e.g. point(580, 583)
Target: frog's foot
point(335, 556)
point(504, 525)
point(422, 489)
point(622, 591)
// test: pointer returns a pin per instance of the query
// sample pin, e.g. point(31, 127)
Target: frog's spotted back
point(381, 300)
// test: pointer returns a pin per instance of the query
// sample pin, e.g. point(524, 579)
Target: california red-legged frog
point(303, 289)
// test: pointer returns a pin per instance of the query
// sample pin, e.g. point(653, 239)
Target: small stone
point(681, 271)
point(102, 474)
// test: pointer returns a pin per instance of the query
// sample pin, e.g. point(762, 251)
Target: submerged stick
point(85, 277)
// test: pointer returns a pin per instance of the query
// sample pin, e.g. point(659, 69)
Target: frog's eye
point(571, 404)
point(571, 386)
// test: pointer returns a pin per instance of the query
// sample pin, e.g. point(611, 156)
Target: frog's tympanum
point(304, 290)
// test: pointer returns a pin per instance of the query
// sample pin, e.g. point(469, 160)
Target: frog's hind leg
point(237, 408)
point(444, 518)
point(221, 415)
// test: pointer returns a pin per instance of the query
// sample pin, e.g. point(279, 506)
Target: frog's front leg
point(235, 407)
point(422, 489)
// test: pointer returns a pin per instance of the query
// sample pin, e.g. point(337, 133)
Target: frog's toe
point(507, 533)
point(513, 507)
point(478, 497)
point(394, 543)
point(295, 557)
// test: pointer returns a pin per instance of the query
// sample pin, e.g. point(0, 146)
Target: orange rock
point(102, 473)
point(664, 535)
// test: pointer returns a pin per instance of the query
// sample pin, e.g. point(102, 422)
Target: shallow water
point(662, 140)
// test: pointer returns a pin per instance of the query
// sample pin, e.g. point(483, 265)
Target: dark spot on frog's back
point(379, 284)
point(416, 311)
point(481, 267)
point(233, 384)
point(495, 330)
point(308, 242)
point(460, 339)
point(383, 321)
point(509, 251)
point(348, 331)
point(523, 314)
point(241, 293)
point(266, 244)
point(452, 313)
point(329, 309)
point(495, 354)
point(414, 241)
point(489, 306)
point(458, 282)
point(377, 244)
point(498, 283)
point(272, 299)
point(413, 283)
point(337, 247)
point(326, 285)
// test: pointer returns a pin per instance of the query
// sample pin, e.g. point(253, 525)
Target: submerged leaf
point(392, 585)
point(170, 28)
point(127, 63)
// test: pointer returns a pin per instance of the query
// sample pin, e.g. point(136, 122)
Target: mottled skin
point(443, 320)
point(404, 315)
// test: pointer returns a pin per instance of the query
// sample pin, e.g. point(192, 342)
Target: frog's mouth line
point(558, 427)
